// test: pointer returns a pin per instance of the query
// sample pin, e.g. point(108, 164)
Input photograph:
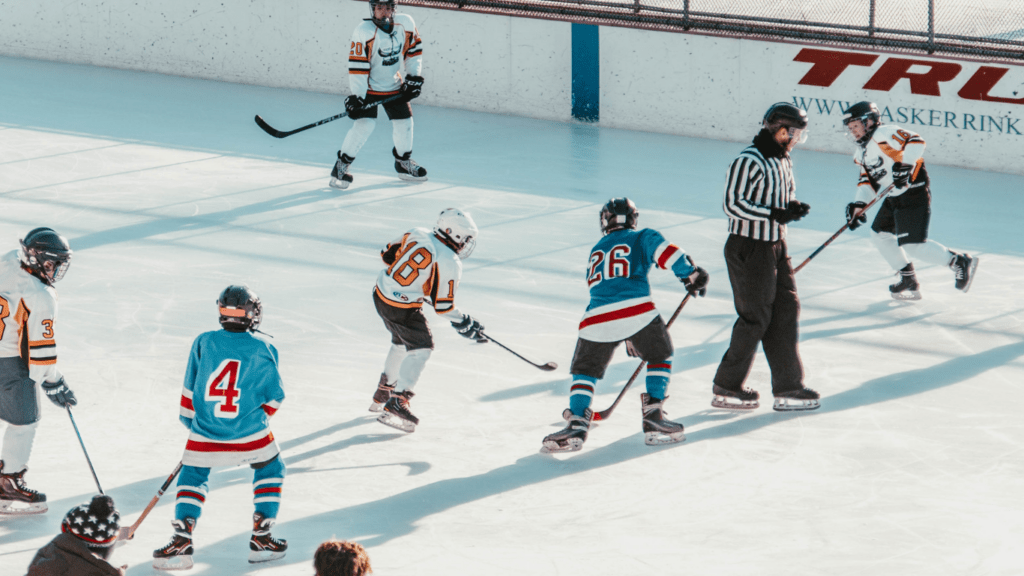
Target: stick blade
point(268, 128)
point(549, 367)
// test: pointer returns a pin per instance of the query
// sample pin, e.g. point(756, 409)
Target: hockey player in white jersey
point(28, 357)
point(423, 266)
point(381, 47)
point(888, 154)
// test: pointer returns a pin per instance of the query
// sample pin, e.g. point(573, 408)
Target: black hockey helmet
point(240, 309)
point(619, 213)
point(385, 24)
point(45, 254)
point(784, 114)
point(863, 111)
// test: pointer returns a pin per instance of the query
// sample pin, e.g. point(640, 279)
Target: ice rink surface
point(168, 192)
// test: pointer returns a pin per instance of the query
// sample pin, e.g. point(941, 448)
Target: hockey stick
point(84, 451)
point(128, 532)
point(883, 194)
point(604, 414)
point(278, 134)
point(545, 367)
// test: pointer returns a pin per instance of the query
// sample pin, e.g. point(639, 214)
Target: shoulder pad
point(365, 30)
point(406, 21)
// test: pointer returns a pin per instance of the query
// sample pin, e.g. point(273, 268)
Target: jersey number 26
point(613, 264)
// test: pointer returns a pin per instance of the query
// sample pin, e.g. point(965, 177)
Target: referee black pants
point(764, 291)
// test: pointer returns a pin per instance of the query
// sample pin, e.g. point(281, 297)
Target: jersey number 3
point(221, 388)
point(613, 265)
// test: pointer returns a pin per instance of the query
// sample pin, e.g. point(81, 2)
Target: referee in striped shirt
point(760, 202)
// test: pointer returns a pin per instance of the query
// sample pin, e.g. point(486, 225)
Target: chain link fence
point(986, 29)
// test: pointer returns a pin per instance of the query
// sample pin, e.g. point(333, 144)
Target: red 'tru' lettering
point(979, 86)
point(926, 83)
point(829, 64)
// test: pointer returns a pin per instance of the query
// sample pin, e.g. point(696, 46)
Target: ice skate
point(17, 499)
point(177, 555)
point(742, 399)
point(964, 266)
point(382, 395)
point(396, 412)
point(658, 430)
point(340, 177)
point(907, 288)
point(802, 399)
point(262, 546)
point(570, 438)
point(407, 168)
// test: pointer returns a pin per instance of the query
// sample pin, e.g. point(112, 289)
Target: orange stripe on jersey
point(375, 93)
point(360, 72)
point(39, 343)
point(896, 155)
point(358, 59)
point(917, 168)
point(43, 362)
point(391, 302)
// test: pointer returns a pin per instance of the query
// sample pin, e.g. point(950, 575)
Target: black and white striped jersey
point(756, 183)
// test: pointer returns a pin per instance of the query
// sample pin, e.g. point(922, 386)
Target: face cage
point(868, 131)
point(55, 269)
point(467, 248)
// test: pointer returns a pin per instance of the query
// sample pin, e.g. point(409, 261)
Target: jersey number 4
point(222, 388)
point(613, 264)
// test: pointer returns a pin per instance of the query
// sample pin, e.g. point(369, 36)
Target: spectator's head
point(95, 523)
point(340, 558)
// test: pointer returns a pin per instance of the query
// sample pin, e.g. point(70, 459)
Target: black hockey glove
point(59, 393)
point(470, 328)
point(697, 282)
point(353, 103)
point(793, 211)
point(901, 174)
point(389, 254)
point(412, 87)
point(852, 209)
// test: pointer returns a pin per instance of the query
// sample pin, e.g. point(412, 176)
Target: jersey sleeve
point(445, 277)
point(187, 411)
point(666, 255)
point(359, 61)
point(42, 343)
point(744, 180)
point(901, 145)
point(413, 46)
point(273, 386)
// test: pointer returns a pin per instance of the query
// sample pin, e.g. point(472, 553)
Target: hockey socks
point(658, 374)
point(581, 393)
point(266, 487)
point(193, 485)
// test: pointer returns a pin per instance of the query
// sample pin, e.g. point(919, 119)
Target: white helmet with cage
point(457, 230)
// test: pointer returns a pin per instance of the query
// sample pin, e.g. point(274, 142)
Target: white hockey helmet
point(457, 230)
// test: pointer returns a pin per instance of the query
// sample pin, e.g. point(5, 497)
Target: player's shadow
point(882, 389)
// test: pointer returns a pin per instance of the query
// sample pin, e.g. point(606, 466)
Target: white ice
point(168, 192)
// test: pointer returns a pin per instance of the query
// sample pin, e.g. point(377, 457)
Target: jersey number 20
point(613, 265)
point(221, 389)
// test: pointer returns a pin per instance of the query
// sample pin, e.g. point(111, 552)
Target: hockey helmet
point(863, 111)
point(45, 254)
point(457, 230)
point(786, 115)
point(619, 213)
point(387, 23)
point(240, 309)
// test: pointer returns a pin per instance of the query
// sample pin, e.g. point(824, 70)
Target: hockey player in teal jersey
point(621, 310)
point(232, 387)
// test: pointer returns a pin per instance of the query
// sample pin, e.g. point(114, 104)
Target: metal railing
point(981, 29)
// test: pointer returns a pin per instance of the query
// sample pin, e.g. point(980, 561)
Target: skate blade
point(259, 556)
point(970, 276)
point(338, 184)
point(376, 407)
point(660, 438)
point(791, 405)
point(553, 447)
point(183, 562)
point(907, 295)
point(733, 403)
point(18, 508)
point(411, 178)
point(389, 419)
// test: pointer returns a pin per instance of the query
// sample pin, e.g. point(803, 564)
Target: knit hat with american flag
point(96, 522)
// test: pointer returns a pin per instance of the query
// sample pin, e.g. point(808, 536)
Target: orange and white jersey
point(28, 310)
point(424, 270)
point(889, 144)
point(375, 59)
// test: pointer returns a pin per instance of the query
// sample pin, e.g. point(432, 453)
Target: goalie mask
point(457, 230)
point(240, 309)
point(45, 254)
point(387, 22)
point(617, 214)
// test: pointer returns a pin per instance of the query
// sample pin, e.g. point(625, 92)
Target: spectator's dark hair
point(340, 558)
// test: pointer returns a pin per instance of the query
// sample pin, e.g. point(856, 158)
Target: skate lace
point(19, 481)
